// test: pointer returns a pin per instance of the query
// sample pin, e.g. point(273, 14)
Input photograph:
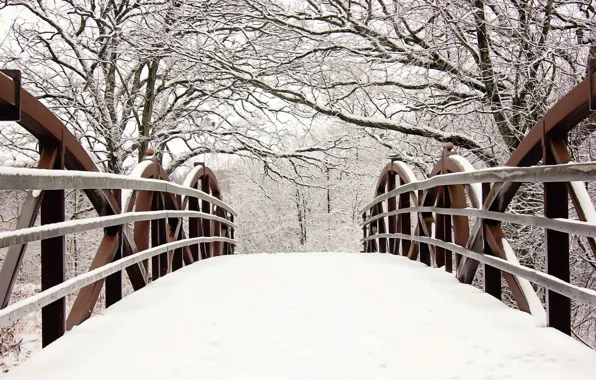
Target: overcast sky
point(7, 16)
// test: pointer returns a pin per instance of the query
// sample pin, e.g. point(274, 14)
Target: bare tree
point(101, 69)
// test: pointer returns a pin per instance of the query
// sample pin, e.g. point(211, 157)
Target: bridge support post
point(364, 227)
point(405, 223)
point(53, 316)
point(557, 246)
point(391, 206)
point(114, 281)
point(232, 246)
point(423, 249)
point(206, 223)
point(492, 275)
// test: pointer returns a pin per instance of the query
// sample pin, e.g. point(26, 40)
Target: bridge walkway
point(310, 316)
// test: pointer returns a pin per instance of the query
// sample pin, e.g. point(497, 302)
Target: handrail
point(31, 234)
point(545, 173)
point(39, 179)
point(22, 308)
point(576, 227)
point(583, 295)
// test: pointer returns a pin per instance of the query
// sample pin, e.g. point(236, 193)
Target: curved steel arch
point(394, 174)
point(203, 177)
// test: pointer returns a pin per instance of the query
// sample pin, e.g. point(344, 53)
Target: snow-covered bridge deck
point(310, 315)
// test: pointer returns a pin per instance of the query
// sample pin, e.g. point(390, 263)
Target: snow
point(136, 172)
point(584, 200)
point(534, 302)
point(310, 315)
point(474, 189)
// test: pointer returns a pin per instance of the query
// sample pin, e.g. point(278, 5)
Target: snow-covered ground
point(310, 315)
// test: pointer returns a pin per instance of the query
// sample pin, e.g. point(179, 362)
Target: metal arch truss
point(147, 199)
point(455, 192)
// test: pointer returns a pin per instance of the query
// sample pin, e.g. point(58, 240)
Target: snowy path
point(306, 316)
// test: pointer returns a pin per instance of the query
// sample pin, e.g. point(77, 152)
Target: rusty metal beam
point(391, 206)
point(87, 296)
point(8, 111)
point(15, 254)
point(492, 276)
point(557, 249)
point(206, 208)
point(114, 281)
point(53, 257)
point(405, 222)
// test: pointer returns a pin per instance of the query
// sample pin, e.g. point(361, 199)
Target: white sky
point(7, 16)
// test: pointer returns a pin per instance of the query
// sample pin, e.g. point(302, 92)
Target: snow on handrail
point(576, 227)
point(39, 179)
point(582, 295)
point(546, 173)
point(21, 308)
point(27, 235)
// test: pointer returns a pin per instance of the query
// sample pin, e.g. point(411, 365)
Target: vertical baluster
point(155, 234)
point(440, 228)
point(381, 222)
point(177, 225)
point(405, 222)
point(206, 208)
point(53, 316)
point(447, 231)
point(391, 206)
point(364, 227)
point(193, 227)
point(114, 281)
point(232, 246)
point(216, 228)
point(557, 246)
point(423, 250)
point(492, 275)
point(164, 228)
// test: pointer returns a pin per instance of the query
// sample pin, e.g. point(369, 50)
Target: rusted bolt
point(449, 146)
point(149, 152)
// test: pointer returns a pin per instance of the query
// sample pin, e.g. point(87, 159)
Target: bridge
point(201, 309)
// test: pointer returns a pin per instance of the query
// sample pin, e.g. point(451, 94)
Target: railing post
point(232, 246)
point(405, 221)
point(156, 226)
point(381, 222)
point(206, 208)
point(364, 227)
point(492, 276)
point(447, 204)
point(557, 246)
point(114, 281)
point(423, 250)
point(391, 206)
point(178, 254)
point(53, 316)
point(216, 227)
point(193, 223)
